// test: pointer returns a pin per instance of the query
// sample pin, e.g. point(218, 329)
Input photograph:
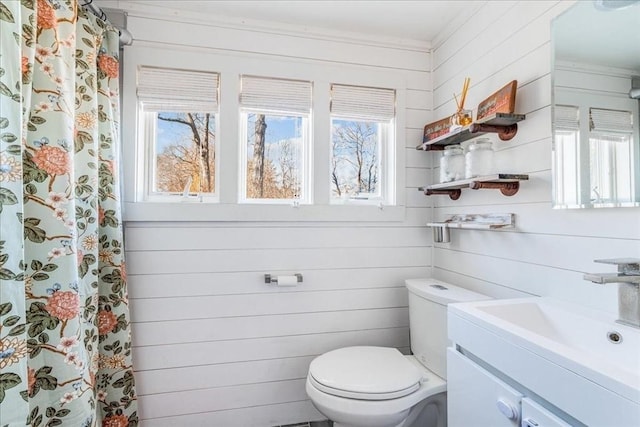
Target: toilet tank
point(428, 299)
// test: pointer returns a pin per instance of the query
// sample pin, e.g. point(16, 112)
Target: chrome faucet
point(628, 279)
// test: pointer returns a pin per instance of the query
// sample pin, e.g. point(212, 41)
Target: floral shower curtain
point(65, 348)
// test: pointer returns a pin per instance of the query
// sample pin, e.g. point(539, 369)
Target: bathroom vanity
point(537, 362)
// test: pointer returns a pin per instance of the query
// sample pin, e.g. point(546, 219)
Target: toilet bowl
point(373, 387)
point(370, 386)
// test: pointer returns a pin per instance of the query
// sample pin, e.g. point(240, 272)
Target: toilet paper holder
point(268, 278)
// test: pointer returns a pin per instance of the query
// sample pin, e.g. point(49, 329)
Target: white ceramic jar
point(479, 158)
point(452, 163)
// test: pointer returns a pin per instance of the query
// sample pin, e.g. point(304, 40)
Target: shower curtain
point(65, 347)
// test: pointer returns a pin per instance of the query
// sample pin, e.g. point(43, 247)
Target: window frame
point(230, 66)
point(368, 104)
point(198, 91)
point(304, 112)
point(148, 134)
point(306, 149)
point(584, 101)
point(386, 164)
point(613, 155)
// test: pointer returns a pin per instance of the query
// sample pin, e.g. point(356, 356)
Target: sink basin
point(599, 342)
point(586, 342)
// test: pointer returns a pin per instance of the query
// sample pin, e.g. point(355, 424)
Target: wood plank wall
point(548, 251)
point(213, 344)
point(215, 347)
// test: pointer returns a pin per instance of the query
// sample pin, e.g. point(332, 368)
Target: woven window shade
point(166, 89)
point(610, 120)
point(567, 116)
point(364, 103)
point(278, 95)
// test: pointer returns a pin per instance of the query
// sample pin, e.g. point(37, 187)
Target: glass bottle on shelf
point(479, 158)
point(452, 163)
point(462, 118)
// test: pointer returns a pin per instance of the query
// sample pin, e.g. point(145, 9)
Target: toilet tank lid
point(442, 292)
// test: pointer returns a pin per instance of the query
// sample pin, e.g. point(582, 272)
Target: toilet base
point(431, 412)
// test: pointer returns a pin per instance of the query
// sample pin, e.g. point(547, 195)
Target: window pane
point(610, 167)
point(355, 159)
point(566, 164)
point(274, 156)
point(184, 152)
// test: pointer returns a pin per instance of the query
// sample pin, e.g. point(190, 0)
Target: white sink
point(563, 337)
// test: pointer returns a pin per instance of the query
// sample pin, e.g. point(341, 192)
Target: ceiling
point(419, 20)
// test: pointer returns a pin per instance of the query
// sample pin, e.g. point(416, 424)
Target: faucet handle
point(624, 264)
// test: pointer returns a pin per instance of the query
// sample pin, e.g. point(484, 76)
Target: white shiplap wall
point(213, 344)
point(549, 249)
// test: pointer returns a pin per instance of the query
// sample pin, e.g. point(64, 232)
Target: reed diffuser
point(462, 117)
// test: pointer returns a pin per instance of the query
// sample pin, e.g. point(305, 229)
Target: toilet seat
point(365, 373)
point(378, 413)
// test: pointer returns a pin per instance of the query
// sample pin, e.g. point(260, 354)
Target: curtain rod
point(126, 38)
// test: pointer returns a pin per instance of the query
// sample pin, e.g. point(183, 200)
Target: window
point(251, 139)
point(610, 149)
point(593, 156)
point(362, 144)
point(180, 114)
point(567, 155)
point(275, 140)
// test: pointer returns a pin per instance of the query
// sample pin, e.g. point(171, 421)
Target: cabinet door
point(534, 415)
point(477, 398)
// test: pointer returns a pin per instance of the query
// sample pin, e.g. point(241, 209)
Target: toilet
point(369, 386)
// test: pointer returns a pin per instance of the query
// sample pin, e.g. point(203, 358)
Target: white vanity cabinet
point(539, 362)
point(477, 398)
point(534, 415)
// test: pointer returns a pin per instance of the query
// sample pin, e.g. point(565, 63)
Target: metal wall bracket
point(268, 278)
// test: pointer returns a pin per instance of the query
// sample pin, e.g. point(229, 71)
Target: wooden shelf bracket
point(505, 133)
point(454, 194)
point(506, 188)
point(508, 184)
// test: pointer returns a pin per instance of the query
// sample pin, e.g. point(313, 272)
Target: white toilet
point(381, 387)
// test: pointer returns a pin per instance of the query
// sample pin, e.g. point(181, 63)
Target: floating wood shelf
point(508, 184)
point(504, 124)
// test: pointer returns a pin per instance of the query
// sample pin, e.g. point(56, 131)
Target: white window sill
point(211, 212)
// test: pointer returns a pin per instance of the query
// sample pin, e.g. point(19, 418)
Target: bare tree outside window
point(185, 150)
point(355, 160)
point(258, 177)
point(274, 156)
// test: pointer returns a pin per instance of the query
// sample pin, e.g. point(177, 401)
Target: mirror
point(595, 101)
